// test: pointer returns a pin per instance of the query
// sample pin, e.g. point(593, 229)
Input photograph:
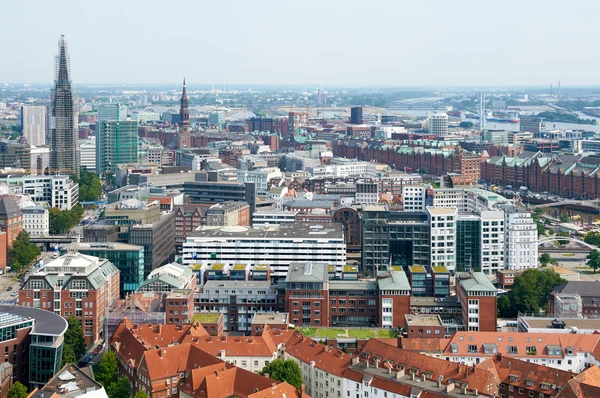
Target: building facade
point(33, 122)
point(116, 143)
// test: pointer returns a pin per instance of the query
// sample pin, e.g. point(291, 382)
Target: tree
point(17, 390)
point(593, 238)
point(74, 336)
point(68, 355)
point(140, 394)
point(532, 288)
point(565, 217)
point(563, 234)
point(422, 170)
point(281, 370)
point(540, 228)
point(119, 389)
point(504, 308)
point(545, 259)
point(593, 260)
point(63, 220)
point(466, 124)
point(106, 370)
point(23, 252)
point(90, 186)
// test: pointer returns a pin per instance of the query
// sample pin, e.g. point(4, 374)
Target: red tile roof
point(584, 385)
point(325, 358)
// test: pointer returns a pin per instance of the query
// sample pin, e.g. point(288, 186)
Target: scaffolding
point(64, 135)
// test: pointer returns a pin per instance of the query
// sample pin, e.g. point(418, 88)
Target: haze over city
point(351, 43)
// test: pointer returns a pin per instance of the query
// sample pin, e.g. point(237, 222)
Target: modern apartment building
point(74, 285)
point(520, 239)
point(36, 219)
point(260, 177)
point(158, 241)
point(275, 246)
point(413, 197)
point(442, 221)
point(438, 124)
point(478, 298)
point(221, 191)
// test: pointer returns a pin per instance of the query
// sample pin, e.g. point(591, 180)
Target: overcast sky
point(349, 42)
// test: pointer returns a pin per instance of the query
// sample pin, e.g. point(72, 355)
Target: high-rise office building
point(33, 121)
point(110, 112)
point(184, 120)
point(356, 115)
point(438, 124)
point(63, 138)
point(116, 143)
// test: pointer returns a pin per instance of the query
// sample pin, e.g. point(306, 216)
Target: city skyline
point(414, 44)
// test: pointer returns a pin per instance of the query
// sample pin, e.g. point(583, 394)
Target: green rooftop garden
point(206, 318)
point(334, 333)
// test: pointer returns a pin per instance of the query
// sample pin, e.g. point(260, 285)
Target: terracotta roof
point(502, 340)
point(170, 361)
point(325, 358)
point(543, 379)
point(254, 346)
point(397, 358)
point(584, 385)
point(421, 344)
point(225, 380)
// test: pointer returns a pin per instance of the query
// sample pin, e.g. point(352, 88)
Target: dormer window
point(513, 378)
point(529, 382)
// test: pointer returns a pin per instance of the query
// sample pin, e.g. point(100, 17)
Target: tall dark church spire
point(64, 136)
point(184, 120)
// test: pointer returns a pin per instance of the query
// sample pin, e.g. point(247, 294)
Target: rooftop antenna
point(559, 89)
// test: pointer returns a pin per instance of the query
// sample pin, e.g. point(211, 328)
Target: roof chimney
point(217, 373)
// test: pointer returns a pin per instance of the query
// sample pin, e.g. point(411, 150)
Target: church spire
point(184, 119)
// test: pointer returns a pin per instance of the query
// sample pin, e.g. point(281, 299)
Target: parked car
point(96, 351)
point(8, 289)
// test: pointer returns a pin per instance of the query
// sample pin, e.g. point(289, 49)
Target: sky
point(404, 43)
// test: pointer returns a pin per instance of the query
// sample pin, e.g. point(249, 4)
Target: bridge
point(584, 203)
point(416, 105)
point(565, 238)
point(50, 241)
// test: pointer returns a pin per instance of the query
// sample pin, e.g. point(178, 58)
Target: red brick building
point(179, 306)
point(478, 299)
point(74, 285)
point(187, 219)
point(11, 219)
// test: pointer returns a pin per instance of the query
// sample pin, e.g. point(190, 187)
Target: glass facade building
point(468, 246)
point(116, 143)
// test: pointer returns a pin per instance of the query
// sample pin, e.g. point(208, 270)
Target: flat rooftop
point(261, 319)
point(284, 231)
point(238, 284)
point(207, 318)
point(423, 320)
point(442, 211)
point(546, 323)
point(46, 322)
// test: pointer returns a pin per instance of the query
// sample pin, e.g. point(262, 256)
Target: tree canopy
point(593, 238)
point(593, 260)
point(23, 252)
point(545, 259)
point(74, 337)
point(106, 370)
point(140, 394)
point(17, 390)
point(530, 292)
point(119, 388)
point(63, 220)
point(281, 370)
point(90, 187)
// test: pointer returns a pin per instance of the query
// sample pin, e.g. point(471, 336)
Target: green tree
point(106, 370)
point(593, 260)
point(545, 259)
point(63, 220)
point(17, 390)
point(23, 252)
point(564, 235)
point(540, 228)
point(504, 308)
point(140, 394)
point(593, 238)
point(74, 336)
point(68, 355)
point(532, 288)
point(281, 370)
point(466, 124)
point(422, 170)
point(119, 389)
point(90, 186)
point(565, 217)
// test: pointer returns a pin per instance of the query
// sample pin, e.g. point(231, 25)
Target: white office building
point(520, 239)
point(40, 160)
point(276, 246)
point(56, 191)
point(36, 219)
point(438, 124)
point(413, 197)
point(260, 177)
point(87, 153)
point(33, 121)
point(492, 241)
point(442, 221)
